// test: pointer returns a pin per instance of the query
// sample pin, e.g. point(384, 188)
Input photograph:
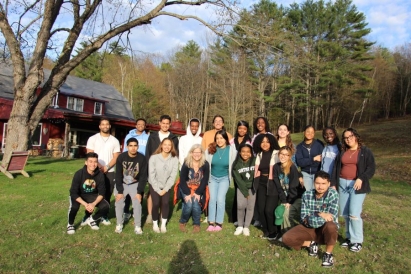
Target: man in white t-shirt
point(108, 148)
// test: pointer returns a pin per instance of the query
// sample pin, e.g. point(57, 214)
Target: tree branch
point(197, 3)
point(57, 30)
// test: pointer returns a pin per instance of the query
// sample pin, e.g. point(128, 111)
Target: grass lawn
point(34, 210)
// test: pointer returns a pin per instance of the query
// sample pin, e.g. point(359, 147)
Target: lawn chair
point(17, 164)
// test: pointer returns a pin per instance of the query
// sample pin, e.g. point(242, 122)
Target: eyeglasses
point(349, 137)
point(195, 152)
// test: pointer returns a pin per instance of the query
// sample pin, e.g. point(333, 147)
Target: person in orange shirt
point(208, 137)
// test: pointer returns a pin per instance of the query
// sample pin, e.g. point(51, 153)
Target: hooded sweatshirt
point(85, 183)
point(187, 141)
point(142, 140)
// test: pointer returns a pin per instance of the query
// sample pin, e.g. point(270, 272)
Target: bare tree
point(43, 23)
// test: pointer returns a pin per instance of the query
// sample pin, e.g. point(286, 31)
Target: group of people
point(293, 193)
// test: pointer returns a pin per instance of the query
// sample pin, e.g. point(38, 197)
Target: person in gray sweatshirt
point(162, 172)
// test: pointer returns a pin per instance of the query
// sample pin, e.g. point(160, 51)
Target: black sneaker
point(345, 244)
point(356, 247)
point(313, 249)
point(272, 236)
point(328, 260)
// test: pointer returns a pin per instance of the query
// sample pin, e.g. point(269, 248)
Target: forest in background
point(308, 63)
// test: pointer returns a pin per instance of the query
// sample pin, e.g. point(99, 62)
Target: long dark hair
point(247, 137)
point(271, 139)
point(336, 139)
point(356, 135)
point(212, 148)
point(267, 125)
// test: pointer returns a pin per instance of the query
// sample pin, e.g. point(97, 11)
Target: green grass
point(33, 223)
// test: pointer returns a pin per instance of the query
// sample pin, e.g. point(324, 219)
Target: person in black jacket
point(88, 189)
point(352, 172)
point(287, 176)
point(308, 156)
point(154, 141)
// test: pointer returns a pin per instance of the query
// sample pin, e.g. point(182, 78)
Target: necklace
point(105, 140)
point(353, 153)
point(222, 154)
point(308, 146)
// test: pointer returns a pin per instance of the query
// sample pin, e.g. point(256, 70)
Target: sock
point(163, 222)
point(155, 223)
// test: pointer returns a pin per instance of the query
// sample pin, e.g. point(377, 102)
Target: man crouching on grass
point(88, 189)
point(319, 220)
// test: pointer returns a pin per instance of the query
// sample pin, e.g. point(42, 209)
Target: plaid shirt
point(311, 207)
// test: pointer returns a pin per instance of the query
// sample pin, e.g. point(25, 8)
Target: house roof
point(116, 105)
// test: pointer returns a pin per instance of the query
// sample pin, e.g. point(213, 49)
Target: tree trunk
point(18, 131)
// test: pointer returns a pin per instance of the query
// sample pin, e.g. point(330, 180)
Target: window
point(75, 103)
point(35, 139)
point(98, 107)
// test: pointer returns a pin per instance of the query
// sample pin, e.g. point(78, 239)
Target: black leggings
point(103, 208)
point(266, 206)
point(165, 206)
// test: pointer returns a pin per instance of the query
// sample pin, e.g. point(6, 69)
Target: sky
point(386, 18)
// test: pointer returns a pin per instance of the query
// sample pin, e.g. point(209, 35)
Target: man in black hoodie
point(88, 189)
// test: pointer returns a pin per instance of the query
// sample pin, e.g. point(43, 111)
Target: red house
point(73, 116)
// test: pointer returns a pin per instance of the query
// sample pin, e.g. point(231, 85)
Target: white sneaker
point(84, 221)
point(93, 224)
point(238, 231)
point(205, 220)
point(163, 229)
point(70, 229)
point(246, 231)
point(138, 230)
point(119, 229)
point(105, 221)
point(126, 217)
point(156, 229)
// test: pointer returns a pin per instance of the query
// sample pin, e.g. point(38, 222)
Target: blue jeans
point(218, 188)
point(191, 208)
point(308, 180)
point(351, 208)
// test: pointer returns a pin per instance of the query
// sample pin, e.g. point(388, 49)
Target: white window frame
point(3, 143)
point(77, 103)
point(101, 108)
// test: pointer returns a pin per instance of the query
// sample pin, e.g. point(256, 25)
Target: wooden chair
point(16, 165)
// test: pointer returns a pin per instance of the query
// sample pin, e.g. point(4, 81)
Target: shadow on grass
point(187, 260)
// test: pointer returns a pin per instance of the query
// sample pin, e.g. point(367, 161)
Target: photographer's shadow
point(187, 260)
